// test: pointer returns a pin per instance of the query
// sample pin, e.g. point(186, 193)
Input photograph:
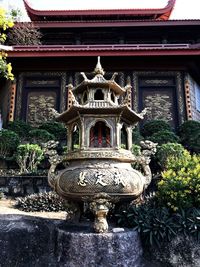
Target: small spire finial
point(99, 69)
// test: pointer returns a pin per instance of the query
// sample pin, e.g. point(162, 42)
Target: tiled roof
point(156, 13)
point(119, 23)
point(90, 50)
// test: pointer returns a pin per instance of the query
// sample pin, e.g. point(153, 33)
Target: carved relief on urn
point(99, 124)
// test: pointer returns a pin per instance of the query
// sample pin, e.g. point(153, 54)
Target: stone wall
point(34, 241)
point(23, 185)
point(31, 241)
point(182, 251)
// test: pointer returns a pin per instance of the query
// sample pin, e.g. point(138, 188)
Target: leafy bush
point(189, 133)
point(28, 157)
point(24, 34)
point(39, 136)
point(180, 184)
point(5, 67)
point(41, 202)
point(154, 224)
point(157, 225)
point(20, 127)
point(188, 222)
point(136, 136)
point(55, 128)
point(181, 251)
point(136, 150)
point(166, 151)
point(154, 126)
point(9, 141)
point(163, 137)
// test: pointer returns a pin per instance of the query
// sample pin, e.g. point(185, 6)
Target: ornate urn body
point(99, 123)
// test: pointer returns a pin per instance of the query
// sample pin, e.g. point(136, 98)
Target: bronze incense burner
point(99, 123)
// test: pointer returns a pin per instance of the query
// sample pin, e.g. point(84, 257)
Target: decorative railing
point(99, 104)
point(104, 46)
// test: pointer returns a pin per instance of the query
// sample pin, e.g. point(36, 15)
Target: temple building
point(159, 58)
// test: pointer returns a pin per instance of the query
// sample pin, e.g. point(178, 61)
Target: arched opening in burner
point(124, 138)
point(99, 95)
point(100, 135)
point(75, 137)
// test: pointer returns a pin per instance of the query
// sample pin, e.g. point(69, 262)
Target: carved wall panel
point(38, 91)
point(162, 93)
point(38, 105)
point(160, 105)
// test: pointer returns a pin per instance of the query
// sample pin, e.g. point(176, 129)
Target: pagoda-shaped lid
point(99, 81)
point(117, 107)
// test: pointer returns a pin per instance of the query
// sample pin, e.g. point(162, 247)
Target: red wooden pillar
point(100, 134)
point(108, 137)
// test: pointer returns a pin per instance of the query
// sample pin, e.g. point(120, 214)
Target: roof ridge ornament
point(98, 69)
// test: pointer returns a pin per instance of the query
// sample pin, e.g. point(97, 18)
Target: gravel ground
point(7, 207)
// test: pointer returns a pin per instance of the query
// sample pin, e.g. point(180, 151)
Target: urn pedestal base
point(33, 241)
point(122, 249)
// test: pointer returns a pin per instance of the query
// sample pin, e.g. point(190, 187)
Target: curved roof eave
point(73, 111)
point(160, 13)
point(107, 84)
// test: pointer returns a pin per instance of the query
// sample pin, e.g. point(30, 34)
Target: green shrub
point(154, 126)
point(154, 224)
point(189, 133)
point(24, 34)
point(136, 150)
point(28, 157)
point(188, 222)
point(163, 137)
point(9, 141)
point(41, 202)
point(180, 184)
point(20, 127)
point(136, 136)
point(55, 128)
point(39, 136)
point(193, 144)
point(158, 225)
point(166, 151)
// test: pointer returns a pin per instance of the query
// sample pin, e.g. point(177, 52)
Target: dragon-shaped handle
point(54, 159)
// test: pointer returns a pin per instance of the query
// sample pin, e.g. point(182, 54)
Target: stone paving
point(7, 207)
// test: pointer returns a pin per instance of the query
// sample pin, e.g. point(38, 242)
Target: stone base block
point(31, 241)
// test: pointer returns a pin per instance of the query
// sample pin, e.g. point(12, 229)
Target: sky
point(184, 9)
